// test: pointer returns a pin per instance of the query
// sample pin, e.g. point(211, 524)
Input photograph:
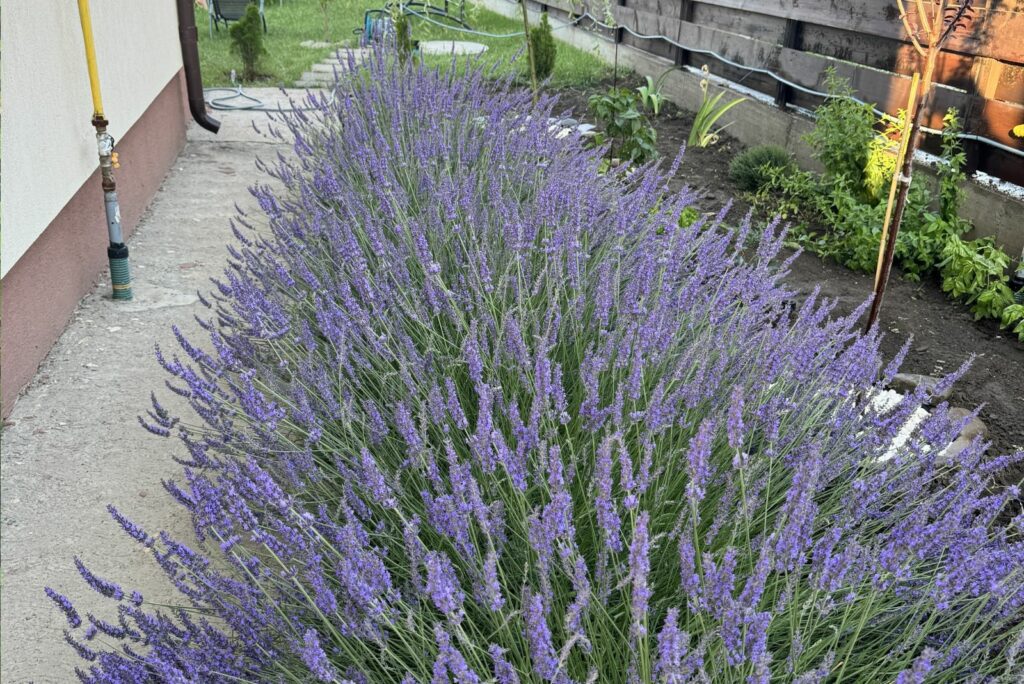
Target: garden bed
point(945, 332)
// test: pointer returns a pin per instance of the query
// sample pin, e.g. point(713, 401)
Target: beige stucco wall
point(48, 144)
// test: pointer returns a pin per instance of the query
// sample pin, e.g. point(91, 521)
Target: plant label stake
point(945, 18)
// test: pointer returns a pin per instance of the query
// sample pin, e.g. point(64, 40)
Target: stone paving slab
point(73, 444)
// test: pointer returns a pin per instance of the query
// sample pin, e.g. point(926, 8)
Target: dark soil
point(944, 332)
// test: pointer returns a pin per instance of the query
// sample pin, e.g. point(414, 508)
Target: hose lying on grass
point(472, 411)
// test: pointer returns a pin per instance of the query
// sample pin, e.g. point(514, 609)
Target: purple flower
point(109, 589)
point(698, 461)
point(734, 424)
point(74, 621)
point(920, 669)
point(452, 660)
point(538, 635)
point(639, 568)
point(491, 582)
point(504, 673)
point(673, 646)
point(315, 659)
point(443, 585)
point(607, 516)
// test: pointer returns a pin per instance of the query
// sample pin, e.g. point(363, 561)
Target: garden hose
point(120, 271)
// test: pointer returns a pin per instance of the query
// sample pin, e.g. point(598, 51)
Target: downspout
point(117, 251)
point(188, 35)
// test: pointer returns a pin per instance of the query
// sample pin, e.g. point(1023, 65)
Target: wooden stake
point(937, 27)
point(900, 155)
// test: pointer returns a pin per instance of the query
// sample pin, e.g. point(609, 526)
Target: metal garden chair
point(223, 11)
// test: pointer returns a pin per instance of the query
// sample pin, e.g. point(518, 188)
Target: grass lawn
point(293, 21)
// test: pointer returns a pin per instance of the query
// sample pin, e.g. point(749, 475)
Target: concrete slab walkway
point(73, 444)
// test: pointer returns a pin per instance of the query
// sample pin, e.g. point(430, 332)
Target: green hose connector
point(120, 271)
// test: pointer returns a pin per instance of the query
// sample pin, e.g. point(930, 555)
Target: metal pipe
point(188, 36)
point(117, 251)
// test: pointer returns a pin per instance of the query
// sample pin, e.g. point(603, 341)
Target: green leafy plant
point(951, 170)
point(749, 170)
point(855, 227)
point(247, 41)
point(791, 194)
point(688, 217)
point(1012, 319)
point(710, 111)
point(545, 50)
point(881, 160)
point(627, 129)
point(651, 95)
point(843, 133)
point(975, 271)
point(922, 236)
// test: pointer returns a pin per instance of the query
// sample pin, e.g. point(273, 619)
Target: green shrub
point(749, 170)
point(247, 41)
point(844, 133)
point(627, 129)
point(544, 48)
point(791, 194)
point(975, 272)
point(1012, 319)
point(950, 171)
point(881, 161)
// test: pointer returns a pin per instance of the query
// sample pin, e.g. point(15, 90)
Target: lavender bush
point(473, 412)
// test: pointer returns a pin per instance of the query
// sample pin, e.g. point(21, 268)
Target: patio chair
point(223, 11)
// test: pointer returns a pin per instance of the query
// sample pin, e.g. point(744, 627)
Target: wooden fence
point(981, 73)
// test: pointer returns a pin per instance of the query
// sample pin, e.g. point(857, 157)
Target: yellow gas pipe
point(117, 251)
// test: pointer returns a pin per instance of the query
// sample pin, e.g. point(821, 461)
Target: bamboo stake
point(900, 155)
point(934, 26)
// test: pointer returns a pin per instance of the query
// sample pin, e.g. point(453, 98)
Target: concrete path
point(73, 444)
point(322, 75)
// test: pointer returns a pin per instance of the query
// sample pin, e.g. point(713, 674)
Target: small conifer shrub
point(750, 169)
point(544, 48)
point(247, 42)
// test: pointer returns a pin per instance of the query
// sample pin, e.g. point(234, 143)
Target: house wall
point(49, 146)
point(54, 233)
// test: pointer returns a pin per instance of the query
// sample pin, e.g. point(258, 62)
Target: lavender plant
point(472, 411)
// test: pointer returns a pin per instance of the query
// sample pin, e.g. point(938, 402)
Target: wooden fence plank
point(996, 31)
point(887, 90)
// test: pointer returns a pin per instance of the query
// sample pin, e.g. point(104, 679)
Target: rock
point(568, 122)
point(974, 429)
point(448, 47)
point(886, 400)
point(909, 382)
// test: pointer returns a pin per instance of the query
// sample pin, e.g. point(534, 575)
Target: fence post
point(685, 14)
point(791, 38)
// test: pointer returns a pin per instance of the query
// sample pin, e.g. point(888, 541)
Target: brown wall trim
point(42, 289)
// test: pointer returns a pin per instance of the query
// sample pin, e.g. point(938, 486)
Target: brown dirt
point(944, 332)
